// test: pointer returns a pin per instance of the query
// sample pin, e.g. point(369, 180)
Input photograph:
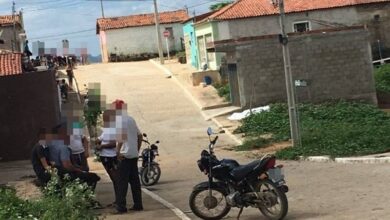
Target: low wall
point(198, 77)
point(29, 102)
point(335, 65)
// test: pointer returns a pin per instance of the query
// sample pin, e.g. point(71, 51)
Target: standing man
point(79, 146)
point(129, 143)
point(107, 146)
point(69, 72)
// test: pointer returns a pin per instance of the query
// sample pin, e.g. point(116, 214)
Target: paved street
point(165, 113)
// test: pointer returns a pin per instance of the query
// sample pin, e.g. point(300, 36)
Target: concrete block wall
point(336, 65)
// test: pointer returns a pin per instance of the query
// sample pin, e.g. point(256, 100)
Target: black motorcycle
point(150, 171)
point(259, 184)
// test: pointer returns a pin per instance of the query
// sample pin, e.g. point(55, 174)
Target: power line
point(65, 5)
point(63, 34)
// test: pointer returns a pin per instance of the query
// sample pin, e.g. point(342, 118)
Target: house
point(135, 35)
point(29, 102)
point(7, 32)
point(190, 41)
point(326, 64)
point(246, 18)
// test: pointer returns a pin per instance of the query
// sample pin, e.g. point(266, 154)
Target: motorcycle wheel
point(276, 205)
point(150, 176)
point(209, 208)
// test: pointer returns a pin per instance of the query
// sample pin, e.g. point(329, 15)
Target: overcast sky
point(52, 21)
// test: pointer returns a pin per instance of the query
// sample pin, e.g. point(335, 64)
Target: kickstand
point(239, 213)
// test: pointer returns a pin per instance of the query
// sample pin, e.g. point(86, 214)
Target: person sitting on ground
point(60, 159)
point(64, 89)
point(107, 145)
point(40, 158)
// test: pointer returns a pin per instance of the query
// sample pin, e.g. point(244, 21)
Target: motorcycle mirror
point(209, 131)
point(145, 135)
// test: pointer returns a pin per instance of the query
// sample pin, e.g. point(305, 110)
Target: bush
point(64, 199)
point(223, 91)
point(382, 78)
point(333, 128)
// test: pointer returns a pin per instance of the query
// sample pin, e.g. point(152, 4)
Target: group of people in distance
point(65, 148)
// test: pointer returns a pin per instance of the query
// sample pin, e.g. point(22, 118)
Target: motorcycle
point(259, 184)
point(150, 171)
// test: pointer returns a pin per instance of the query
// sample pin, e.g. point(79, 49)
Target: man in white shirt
point(129, 141)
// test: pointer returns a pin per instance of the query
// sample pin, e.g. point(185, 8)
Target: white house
point(136, 34)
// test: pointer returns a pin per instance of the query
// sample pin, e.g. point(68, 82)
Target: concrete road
point(165, 113)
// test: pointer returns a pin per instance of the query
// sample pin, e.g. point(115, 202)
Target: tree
point(218, 6)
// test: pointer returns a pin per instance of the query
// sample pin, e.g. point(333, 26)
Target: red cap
point(119, 104)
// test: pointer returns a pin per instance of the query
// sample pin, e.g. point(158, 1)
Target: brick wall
point(28, 101)
point(337, 65)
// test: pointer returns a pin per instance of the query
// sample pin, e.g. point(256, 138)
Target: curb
point(347, 160)
point(206, 118)
point(168, 73)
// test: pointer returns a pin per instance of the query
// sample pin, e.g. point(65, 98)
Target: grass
point(253, 143)
point(336, 129)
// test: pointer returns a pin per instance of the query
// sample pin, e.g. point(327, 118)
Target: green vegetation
point(223, 91)
point(382, 78)
point(61, 200)
point(219, 5)
point(253, 143)
point(336, 128)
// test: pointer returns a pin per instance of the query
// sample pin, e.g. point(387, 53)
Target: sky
point(52, 21)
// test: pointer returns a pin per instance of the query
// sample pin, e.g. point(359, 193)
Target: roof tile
point(140, 20)
point(10, 64)
point(8, 20)
point(255, 8)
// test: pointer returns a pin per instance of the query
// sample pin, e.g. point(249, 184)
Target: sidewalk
point(181, 72)
point(212, 106)
point(105, 195)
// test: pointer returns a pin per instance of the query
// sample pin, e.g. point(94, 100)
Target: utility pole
point(159, 41)
point(14, 26)
point(101, 5)
point(290, 86)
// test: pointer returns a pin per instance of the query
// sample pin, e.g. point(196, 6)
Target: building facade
point(8, 34)
point(136, 34)
point(331, 63)
point(247, 18)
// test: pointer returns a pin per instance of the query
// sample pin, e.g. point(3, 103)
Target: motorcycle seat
point(242, 171)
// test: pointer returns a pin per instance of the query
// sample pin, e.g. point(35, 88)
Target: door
point(233, 82)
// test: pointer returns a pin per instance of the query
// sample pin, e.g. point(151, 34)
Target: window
point(302, 26)
point(209, 40)
point(170, 29)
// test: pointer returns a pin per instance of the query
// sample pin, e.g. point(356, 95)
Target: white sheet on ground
point(241, 115)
